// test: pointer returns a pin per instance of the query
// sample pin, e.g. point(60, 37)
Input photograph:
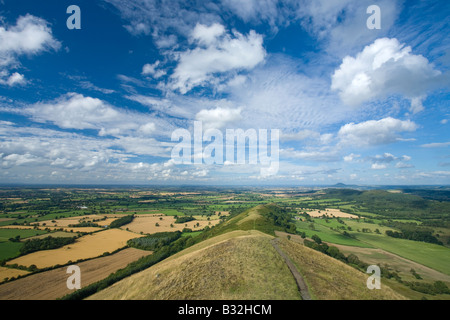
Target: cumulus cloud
point(31, 35)
point(13, 79)
point(152, 70)
point(378, 166)
point(76, 111)
point(386, 67)
point(374, 132)
point(218, 118)
point(216, 53)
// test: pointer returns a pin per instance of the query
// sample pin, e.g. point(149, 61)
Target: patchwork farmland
point(126, 238)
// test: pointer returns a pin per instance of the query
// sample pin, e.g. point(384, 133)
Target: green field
point(431, 255)
point(5, 234)
point(9, 249)
point(328, 235)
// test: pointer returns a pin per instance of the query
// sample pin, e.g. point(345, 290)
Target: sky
point(356, 96)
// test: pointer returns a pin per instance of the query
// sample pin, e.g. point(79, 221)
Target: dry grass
point(66, 229)
point(10, 273)
point(51, 284)
point(146, 223)
point(89, 246)
point(330, 279)
point(241, 265)
point(253, 214)
point(336, 213)
point(65, 222)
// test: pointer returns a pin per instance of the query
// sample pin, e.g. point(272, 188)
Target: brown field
point(331, 213)
point(10, 273)
point(6, 219)
point(75, 230)
point(51, 284)
point(89, 246)
point(57, 234)
point(222, 213)
point(65, 222)
point(147, 224)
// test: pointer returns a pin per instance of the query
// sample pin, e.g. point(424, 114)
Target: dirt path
point(302, 287)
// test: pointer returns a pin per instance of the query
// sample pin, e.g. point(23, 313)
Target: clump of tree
point(411, 231)
point(121, 221)
point(154, 241)
point(318, 245)
point(184, 219)
point(84, 224)
point(438, 287)
point(47, 243)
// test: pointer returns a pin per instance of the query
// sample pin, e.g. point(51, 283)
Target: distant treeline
point(392, 205)
point(411, 231)
point(47, 243)
point(154, 241)
point(121, 221)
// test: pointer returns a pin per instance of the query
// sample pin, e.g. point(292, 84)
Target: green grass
point(5, 234)
point(431, 255)
point(192, 234)
point(9, 250)
point(328, 235)
point(171, 212)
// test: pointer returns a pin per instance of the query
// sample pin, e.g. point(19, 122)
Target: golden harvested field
point(57, 234)
point(66, 222)
point(147, 224)
point(88, 246)
point(10, 273)
point(50, 285)
point(74, 230)
point(331, 213)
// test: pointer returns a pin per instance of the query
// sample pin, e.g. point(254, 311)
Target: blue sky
point(100, 104)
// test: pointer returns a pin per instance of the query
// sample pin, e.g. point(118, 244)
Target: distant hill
point(237, 260)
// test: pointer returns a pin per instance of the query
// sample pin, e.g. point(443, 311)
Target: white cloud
point(216, 53)
point(12, 80)
point(351, 157)
point(384, 68)
point(218, 118)
point(31, 35)
point(151, 69)
point(378, 166)
point(341, 25)
point(76, 111)
point(374, 132)
point(436, 145)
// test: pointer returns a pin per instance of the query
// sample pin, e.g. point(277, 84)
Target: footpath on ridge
point(302, 287)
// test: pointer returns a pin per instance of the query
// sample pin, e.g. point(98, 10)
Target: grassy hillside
point(330, 279)
point(243, 266)
point(236, 260)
